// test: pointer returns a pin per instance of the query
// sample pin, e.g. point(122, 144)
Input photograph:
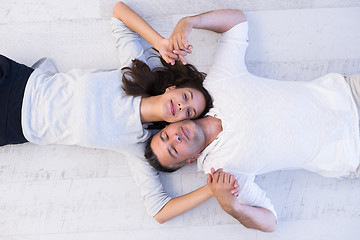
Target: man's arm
point(252, 217)
point(218, 21)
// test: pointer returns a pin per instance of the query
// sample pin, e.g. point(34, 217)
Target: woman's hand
point(179, 39)
point(166, 51)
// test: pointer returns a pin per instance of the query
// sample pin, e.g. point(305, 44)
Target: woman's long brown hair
point(140, 80)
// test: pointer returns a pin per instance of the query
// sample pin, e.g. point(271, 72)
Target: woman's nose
point(180, 106)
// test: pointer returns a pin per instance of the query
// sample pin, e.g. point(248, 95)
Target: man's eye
point(164, 136)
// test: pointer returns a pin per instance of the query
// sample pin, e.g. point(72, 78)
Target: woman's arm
point(181, 204)
point(218, 21)
point(136, 23)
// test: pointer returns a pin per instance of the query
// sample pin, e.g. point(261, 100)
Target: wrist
point(235, 209)
point(189, 21)
point(208, 190)
point(158, 42)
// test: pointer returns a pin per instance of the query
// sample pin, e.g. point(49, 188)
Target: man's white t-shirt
point(270, 125)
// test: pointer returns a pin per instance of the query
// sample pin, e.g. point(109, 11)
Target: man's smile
point(185, 133)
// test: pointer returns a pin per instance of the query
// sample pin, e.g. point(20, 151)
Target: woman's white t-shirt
point(89, 108)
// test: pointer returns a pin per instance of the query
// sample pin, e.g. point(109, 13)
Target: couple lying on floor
point(235, 124)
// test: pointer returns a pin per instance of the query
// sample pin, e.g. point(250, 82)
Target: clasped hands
point(224, 186)
point(177, 46)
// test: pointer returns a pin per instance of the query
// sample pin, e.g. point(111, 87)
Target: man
point(258, 125)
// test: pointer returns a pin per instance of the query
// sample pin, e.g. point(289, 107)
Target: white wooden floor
point(61, 193)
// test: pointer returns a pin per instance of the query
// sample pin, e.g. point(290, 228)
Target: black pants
point(13, 79)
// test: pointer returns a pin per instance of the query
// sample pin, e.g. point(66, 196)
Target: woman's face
point(182, 103)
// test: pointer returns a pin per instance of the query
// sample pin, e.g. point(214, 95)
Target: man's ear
point(170, 88)
point(190, 161)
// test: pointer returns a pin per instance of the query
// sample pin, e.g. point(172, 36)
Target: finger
point(189, 51)
point(175, 44)
point(180, 52)
point(182, 59)
point(190, 47)
point(232, 179)
point(216, 176)
point(169, 60)
point(209, 179)
point(212, 170)
point(185, 43)
point(227, 178)
point(183, 46)
point(171, 55)
point(219, 170)
point(221, 177)
point(235, 192)
point(236, 184)
point(236, 189)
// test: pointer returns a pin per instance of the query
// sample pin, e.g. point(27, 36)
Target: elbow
point(270, 227)
point(159, 219)
point(240, 16)
point(117, 9)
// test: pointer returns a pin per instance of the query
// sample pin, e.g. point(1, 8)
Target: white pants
point(354, 84)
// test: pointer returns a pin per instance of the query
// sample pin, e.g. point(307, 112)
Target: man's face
point(178, 143)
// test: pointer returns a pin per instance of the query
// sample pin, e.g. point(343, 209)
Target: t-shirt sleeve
point(127, 43)
point(229, 58)
point(251, 194)
point(148, 181)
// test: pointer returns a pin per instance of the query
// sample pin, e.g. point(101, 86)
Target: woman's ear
point(170, 88)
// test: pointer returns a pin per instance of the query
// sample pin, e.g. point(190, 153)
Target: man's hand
point(224, 187)
point(179, 39)
point(221, 185)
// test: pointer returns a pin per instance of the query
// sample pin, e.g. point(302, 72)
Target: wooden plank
point(41, 10)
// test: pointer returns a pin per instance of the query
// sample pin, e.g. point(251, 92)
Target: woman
point(90, 108)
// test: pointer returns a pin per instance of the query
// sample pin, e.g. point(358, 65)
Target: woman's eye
point(185, 97)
